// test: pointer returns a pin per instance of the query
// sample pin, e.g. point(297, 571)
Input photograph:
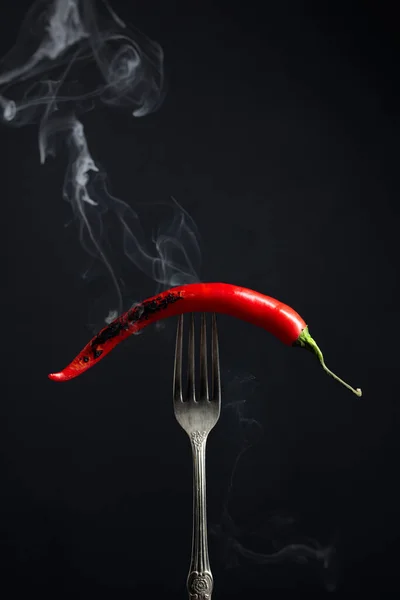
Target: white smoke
point(72, 56)
point(275, 537)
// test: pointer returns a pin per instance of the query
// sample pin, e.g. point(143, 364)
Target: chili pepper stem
point(306, 341)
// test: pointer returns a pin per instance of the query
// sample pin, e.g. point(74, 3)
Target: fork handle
point(200, 580)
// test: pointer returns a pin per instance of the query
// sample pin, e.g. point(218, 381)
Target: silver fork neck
point(200, 580)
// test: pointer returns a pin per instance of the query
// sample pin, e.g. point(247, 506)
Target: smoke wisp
point(74, 56)
point(271, 538)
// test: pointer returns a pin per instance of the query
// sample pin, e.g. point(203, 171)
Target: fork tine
point(191, 387)
point(216, 374)
point(177, 382)
point(203, 359)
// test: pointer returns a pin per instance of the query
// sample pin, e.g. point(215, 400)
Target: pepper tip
point(57, 376)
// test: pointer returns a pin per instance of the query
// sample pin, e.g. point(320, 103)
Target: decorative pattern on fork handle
point(197, 438)
point(200, 586)
point(200, 580)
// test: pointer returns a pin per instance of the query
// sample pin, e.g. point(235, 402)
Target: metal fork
point(197, 413)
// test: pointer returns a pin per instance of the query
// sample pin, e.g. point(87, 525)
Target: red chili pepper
point(248, 305)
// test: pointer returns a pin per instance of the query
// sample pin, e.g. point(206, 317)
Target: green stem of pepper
point(306, 341)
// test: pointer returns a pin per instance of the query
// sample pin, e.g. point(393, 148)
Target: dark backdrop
point(279, 134)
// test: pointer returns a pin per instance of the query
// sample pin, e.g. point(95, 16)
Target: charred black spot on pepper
point(160, 303)
point(85, 359)
point(141, 312)
point(148, 308)
point(108, 333)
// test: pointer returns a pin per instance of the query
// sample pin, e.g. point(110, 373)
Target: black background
point(279, 134)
